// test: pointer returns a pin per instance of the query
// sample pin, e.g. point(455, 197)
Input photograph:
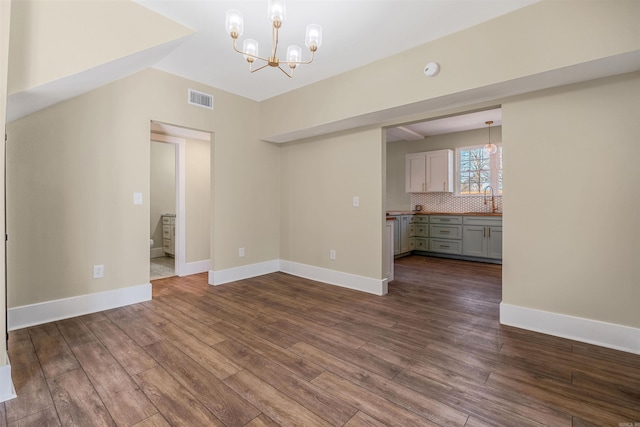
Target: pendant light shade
point(491, 148)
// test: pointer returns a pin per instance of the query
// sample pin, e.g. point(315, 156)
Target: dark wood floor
point(280, 350)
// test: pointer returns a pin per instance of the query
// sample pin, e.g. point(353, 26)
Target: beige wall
point(73, 169)
point(318, 181)
point(55, 39)
point(572, 211)
point(397, 198)
point(198, 199)
point(5, 14)
point(162, 187)
point(518, 48)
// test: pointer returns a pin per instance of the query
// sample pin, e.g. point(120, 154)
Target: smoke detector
point(431, 69)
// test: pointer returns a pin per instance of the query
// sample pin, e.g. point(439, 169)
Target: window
point(477, 169)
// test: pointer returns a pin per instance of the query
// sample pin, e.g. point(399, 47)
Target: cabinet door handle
point(445, 246)
point(484, 232)
point(445, 231)
point(444, 185)
point(489, 230)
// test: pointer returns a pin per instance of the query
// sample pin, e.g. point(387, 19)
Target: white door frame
point(181, 235)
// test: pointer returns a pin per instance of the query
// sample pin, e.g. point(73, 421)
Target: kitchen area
point(444, 188)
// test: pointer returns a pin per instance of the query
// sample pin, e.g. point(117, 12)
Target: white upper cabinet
point(416, 172)
point(429, 172)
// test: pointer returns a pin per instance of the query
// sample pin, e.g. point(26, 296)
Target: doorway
point(179, 201)
point(162, 207)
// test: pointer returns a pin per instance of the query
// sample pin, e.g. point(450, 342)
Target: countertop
point(392, 213)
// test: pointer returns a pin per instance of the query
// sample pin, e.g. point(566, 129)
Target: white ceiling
point(355, 33)
point(470, 121)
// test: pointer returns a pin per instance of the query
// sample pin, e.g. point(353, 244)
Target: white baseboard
point(156, 252)
point(244, 272)
point(332, 277)
point(611, 335)
point(197, 267)
point(338, 278)
point(7, 391)
point(50, 311)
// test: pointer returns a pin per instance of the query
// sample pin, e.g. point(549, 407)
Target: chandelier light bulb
point(313, 37)
point(294, 55)
point(277, 11)
point(250, 49)
point(234, 23)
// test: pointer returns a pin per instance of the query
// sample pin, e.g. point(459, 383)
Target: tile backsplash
point(447, 202)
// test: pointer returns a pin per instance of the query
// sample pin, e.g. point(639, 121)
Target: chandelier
point(277, 13)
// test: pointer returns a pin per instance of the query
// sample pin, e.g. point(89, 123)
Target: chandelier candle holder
point(277, 12)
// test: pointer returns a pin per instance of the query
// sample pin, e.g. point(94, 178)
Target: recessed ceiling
point(459, 123)
point(355, 33)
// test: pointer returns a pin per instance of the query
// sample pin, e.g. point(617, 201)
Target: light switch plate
point(356, 201)
point(137, 198)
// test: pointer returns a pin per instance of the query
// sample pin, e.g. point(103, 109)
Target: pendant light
point(491, 148)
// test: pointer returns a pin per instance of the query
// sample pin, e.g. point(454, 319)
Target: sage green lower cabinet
point(482, 237)
point(494, 243)
point(445, 246)
point(419, 233)
point(401, 232)
point(470, 237)
point(445, 234)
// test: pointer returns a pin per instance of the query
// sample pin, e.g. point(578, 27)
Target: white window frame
point(493, 171)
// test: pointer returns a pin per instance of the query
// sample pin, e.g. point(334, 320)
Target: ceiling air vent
point(200, 99)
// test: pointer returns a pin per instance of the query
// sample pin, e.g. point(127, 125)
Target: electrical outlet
point(356, 201)
point(98, 271)
point(332, 254)
point(241, 252)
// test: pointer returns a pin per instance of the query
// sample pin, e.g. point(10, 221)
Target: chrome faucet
point(493, 199)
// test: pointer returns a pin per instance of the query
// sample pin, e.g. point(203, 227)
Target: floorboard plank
point(77, 402)
point(120, 394)
point(45, 418)
point(129, 354)
point(54, 353)
point(75, 332)
point(29, 382)
point(262, 421)
point(303, 392)
point(177, 405)
point(281, 356)
point(373, 404)
point(223, 402)
point(156, 420)
point(361, 419)
point(274, 404)
point(429, 408)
